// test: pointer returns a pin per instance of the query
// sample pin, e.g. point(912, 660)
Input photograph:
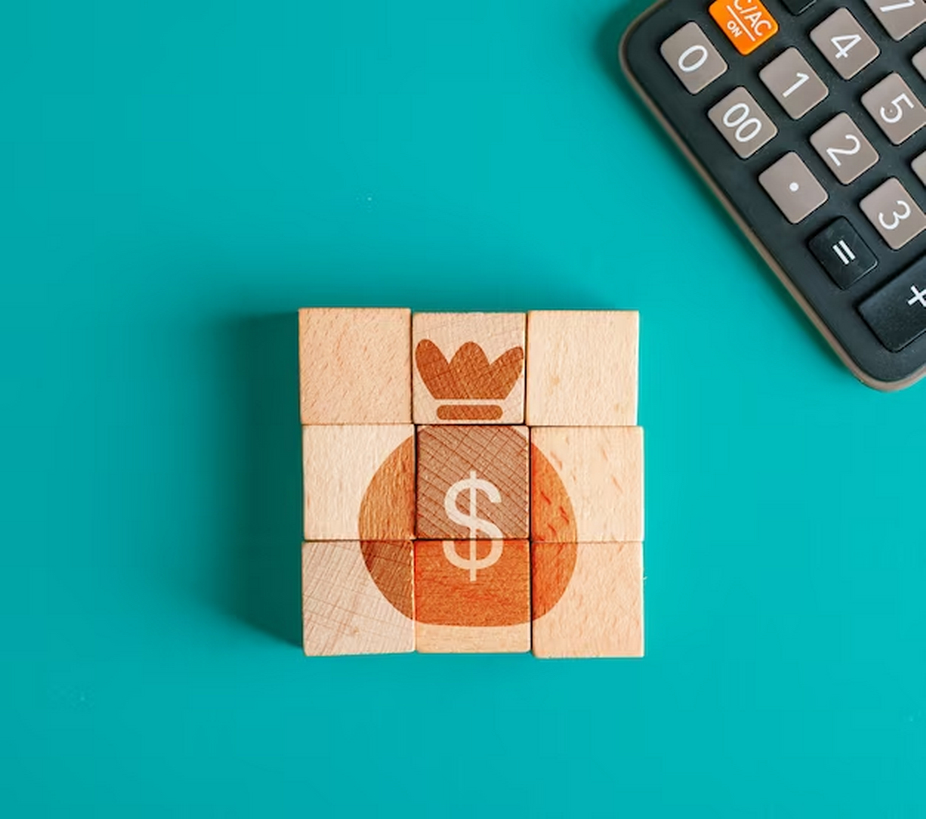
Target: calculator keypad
point(793, 188)
point(833, 89)
point(899, 17)
point(693, 58)
point(844, 149)
point(894, 213)
point(743, 124)
point(895, 108)
point(845, 44)
point(793, 83)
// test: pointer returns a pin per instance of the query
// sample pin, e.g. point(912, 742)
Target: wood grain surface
point(582, 368)
point(344, 611)
point(601, 469)
point(469, 367)
point(601, 612)
point(339, 465)
point(355, 365)
point(447, 592)
point(449, 457)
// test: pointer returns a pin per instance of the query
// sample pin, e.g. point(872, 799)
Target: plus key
point(897, 312)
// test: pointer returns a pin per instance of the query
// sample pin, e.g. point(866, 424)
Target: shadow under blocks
point(265, 549)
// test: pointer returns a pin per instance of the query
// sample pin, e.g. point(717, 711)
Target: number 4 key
point(845, 44)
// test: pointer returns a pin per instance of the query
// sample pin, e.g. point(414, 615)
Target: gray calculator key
point(919, 62)
point(845, 44)
point(894, 213)
point(895, 108)
point(743, 124)
point(692, 57)
point(792, 187)
point(844, 149)
point(899, 17)
point(919, 167)
point(793, 83)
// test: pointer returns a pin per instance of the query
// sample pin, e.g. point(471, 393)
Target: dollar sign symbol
point(474, 523)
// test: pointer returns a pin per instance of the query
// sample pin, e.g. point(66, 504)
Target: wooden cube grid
point(473, 482)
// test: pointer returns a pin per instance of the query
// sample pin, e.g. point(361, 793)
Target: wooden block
point(472, 482)
point(587, 484)
point(469, 368)
point(472, 596)
point(359, 482)
point(355, 366)
point(357, 598)
point(600, 613)
point(582, 368)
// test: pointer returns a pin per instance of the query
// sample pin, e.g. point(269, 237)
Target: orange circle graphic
point(453, 599)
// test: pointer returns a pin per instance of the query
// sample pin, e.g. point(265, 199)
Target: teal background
point(177, 179)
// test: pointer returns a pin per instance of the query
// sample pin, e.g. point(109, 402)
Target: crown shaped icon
point(468, 377)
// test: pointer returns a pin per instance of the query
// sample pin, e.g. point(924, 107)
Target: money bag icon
point(472, 548)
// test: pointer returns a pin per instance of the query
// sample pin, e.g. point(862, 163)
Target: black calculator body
point(806, 118)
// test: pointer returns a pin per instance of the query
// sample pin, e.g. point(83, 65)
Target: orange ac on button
point(747, 23)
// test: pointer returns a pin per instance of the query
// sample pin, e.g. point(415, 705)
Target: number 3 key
point(894, 213)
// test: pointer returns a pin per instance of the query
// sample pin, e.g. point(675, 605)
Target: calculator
point(806, 119)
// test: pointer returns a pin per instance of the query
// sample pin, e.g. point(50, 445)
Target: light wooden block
point(359, 482)
point(357, 598)
point(469, 368)
point(472, 482)
point(582, 368)
point(472, 596)
point(355, 366)
point(594, 491)
point(600, 614)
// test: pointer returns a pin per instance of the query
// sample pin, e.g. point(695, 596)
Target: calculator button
point(798, 6)
point(899, 17)
point(793, 83)
point(792, 187)
point(894, 213)
point(919, 62)
point(692, 57)
point(842, 253)
point(895, 108)
point(742, 122)
point(845, 44)
point(897, 312)
point(747, 23)
point(844, 149)
point(919, 167)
